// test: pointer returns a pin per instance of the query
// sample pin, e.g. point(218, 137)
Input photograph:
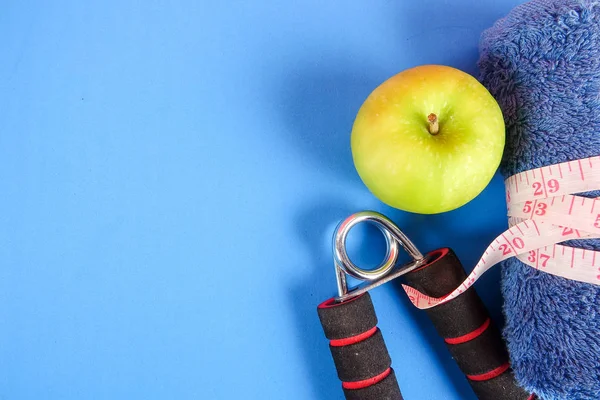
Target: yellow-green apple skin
point(405, 165)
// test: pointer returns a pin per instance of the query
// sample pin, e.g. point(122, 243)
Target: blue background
point(171, 174)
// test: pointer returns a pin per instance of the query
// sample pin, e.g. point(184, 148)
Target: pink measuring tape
point(543, 211)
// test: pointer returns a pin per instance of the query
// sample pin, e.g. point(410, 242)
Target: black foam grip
point(358, 349)
point(350, 318)
point(459, 316)
point(462, 316)
point(469, 358)
point(502, 387)
point(387, 389)
point(363, 360)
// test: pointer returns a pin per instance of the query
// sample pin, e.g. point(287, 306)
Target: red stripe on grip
point(469, 336)
point(333, 303)
point(490, 375)
point(353, 339)
point(367, 382)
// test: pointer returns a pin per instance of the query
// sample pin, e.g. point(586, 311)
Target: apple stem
point(434, 126)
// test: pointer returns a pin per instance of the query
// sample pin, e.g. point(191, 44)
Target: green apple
point(428, 140)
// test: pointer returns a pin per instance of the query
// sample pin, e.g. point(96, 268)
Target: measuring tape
point(543, 211)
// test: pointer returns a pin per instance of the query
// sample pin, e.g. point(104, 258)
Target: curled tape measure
point(543, 211)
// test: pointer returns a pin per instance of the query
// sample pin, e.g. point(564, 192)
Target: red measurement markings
point(520, 230)
point(560, 171)
point(536, 228)
point(567, 231)
point(544, 258)
point(504, 246)
point(543, 183)
point(553, 186)
point(581, 170)
point(533, 258)
point(541, 209)
point(529, 207)
point(505, 249)
point(516, 244)
point(597, 221)
point(572, 201)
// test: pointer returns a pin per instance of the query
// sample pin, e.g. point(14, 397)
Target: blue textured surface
point(542, 63)
point(170, 175)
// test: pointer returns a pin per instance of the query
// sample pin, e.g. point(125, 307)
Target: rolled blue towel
point(542, 64)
